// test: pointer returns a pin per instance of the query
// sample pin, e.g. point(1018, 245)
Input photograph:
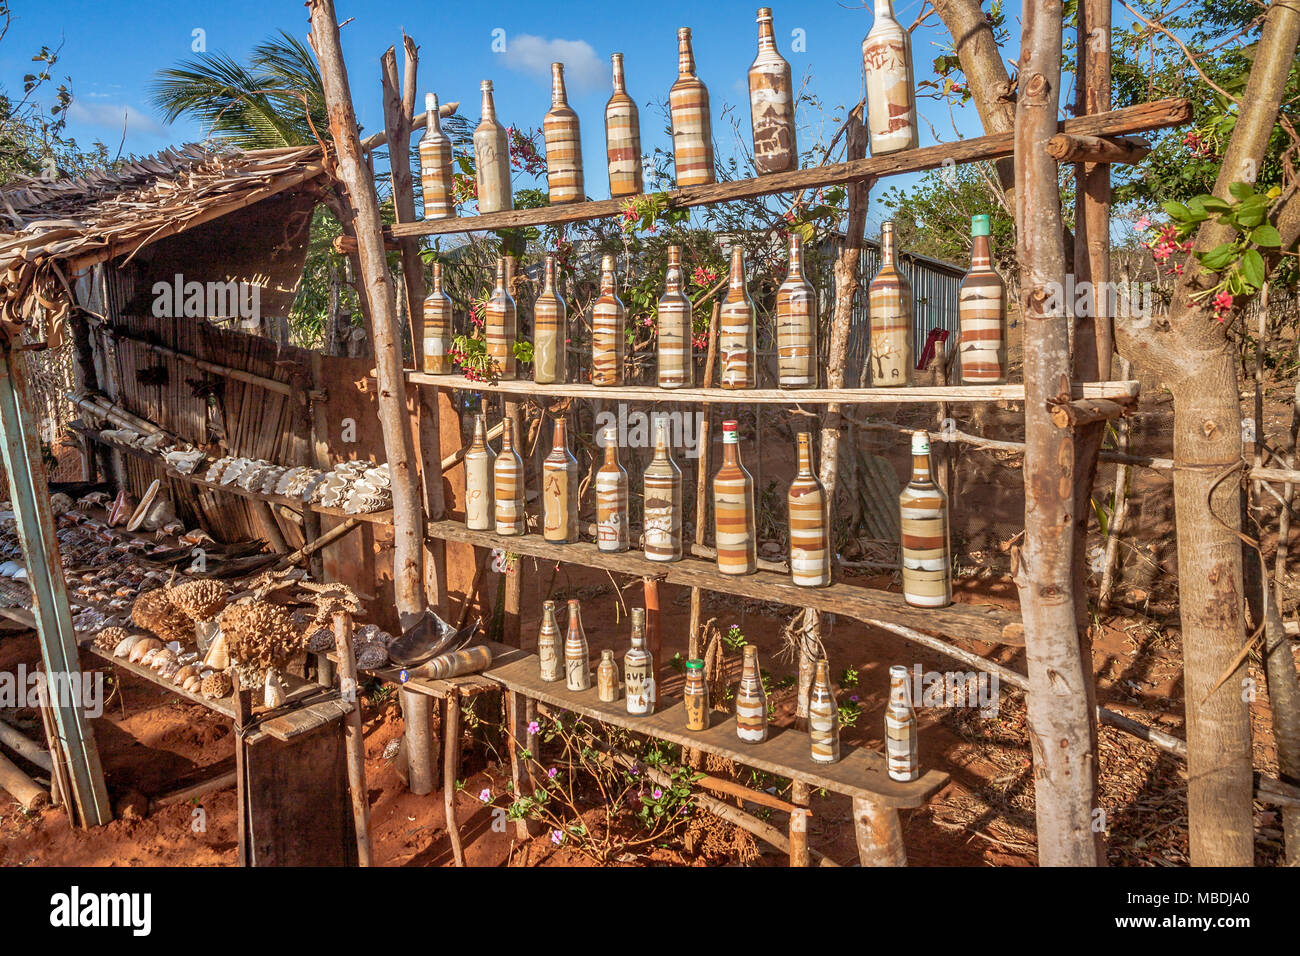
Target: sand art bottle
point(695, 696)
point(771, 104)
point(796, 324)
point(676, 367)
point(611, 498)
point(823, 716)
point(891, 93)
point(810, 546)
point(900, 728)
point(480, 480)
point(608, 330)
point(492, 158)
point(577, 666)
point(501, 326)
point(688, 106)
point(889, 302)
point(662, 501)
point(560, 490)
point(751, 700)
point(508, 484)
point(437, 326)
point(923, 514)
point(550, 329)
point(435, 164)
point(737, 355)
point(733, 509)
point(622, 137)
point(639, 670)
point(983, 313)
point(560, 129)
point(607, 678)
point(550, 647)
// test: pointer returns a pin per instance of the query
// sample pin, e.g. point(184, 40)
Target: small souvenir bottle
point(607, 678)
point(608, 330)
point(692, 124)
point(622, 138)
point(550, 646)
point(676, 365)
point(550, 329)
point(492, 158)
point(771, 104)
point(889, 302)
point(501, 327)
point(810, 550)
point(611, 498)
point(737, 356)
point(733, 509)
point(751, 700)
point(662, 501)
point(560, 490)
point(577, 666)
point(695, 696)
point(563, 145)
point(639, 670)
point(435, 164)
point(900, 728)
point(437, 326)
point(982, 310)
point(923, 518)
point(823, 716)
point(480, 480)
point(891, 92)
point(796, 324)
point(508, 484)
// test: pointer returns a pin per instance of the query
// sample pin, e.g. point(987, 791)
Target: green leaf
point(1175, 210)
point(1215, 204)
point(1252, 212)
point(1241, 191)
point(1219, 257)
point(1196, 209)
point(1252, 266)
point(1266, 235)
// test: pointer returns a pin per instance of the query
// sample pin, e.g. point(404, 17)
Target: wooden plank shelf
point(1123, 393)
point(967, 621)
point(860, 772)
point(1122, 122)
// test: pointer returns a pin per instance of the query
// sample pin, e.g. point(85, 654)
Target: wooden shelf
point(968, 621)
point(1122, 122)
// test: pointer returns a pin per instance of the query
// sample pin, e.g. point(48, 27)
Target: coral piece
point(110, 637)
point(261, 635)
point(200, 600)
point(154, 611)
point(216, 685)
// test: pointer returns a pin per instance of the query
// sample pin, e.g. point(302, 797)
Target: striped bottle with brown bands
point(733, 509)
point(563, 145)
point(982, 311)
point(796, 324)
point(662, 508)
point(501, 326)
point(823, 716)
point(638, 670)
point(560, 490)
point(480, 482)
point(737, 333)
point(810, 552)
point(550, 332)
point(901, 754)
point(623, 137)
point(771, 104)
point(577, 663)
point(695, 696)
point(692, 123)
point(608, 330)
point(676, 366)
point(550, 645)
point(923, 514)
point(751, 700)
point(492, 158)
point(437, 326)
point(611, 499)
point(435, 164)
point(889, 302)
point(508, 475)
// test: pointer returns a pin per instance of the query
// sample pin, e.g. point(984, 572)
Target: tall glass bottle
point(889, 303)
point(891, 92)
point(983, 313)
point(823, 716)
point(550, 646)
point(688, 105)
point(796, 324)
point(695, 696)
point(810, 551)
point(623, 138)
point(676, 366)
point(435, 164)
point(550, 331)
point(479, 480)
point(662, 508)
point(437, 326)
point(771, 104)
point(577, 665)
point(608, 330)
point(639, 670)
point(611, 498)
point(508, 485)
point(733, 509)
point(900, 729)
point(563, 145)
point(501, 327)
point(751, 700)
point(560, 490)
point(923, 513)
point(492, 158)
point(737, 348)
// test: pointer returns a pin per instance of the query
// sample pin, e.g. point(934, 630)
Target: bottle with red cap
point(733, 509)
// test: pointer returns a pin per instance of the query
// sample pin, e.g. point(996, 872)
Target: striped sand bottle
point(891, 93)
point(676, 366)
point(823, 716)
point(923, 510)
point(577, 666)
point(733, 509)
point(435, 164)
point(695, 696)
point(688, 105)
point(983, 313)
point(611, 498)
point(737, 355)
point(550, 330)
point(508, 484)
point(751, 700)
point(479, 480)
point(889, 302)
point(639, 670)
point(608, 330)
point(662, 502)
point(501, 326)
point(563, 145)
point(900, 728)
point(810, 546)
point(607, 678)
point(492, 158)
point(622, 137)
point(437, 326)
point(550, 646)
point(796, 324)
point(771, 104)
point(560, 490)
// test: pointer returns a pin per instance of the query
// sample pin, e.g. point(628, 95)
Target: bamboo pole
point(25, 747)
point(1119, 514)
point(702, 460)
point(353, 736)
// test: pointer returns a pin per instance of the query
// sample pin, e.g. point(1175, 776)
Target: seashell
point(233, 470)
point(167, 670)
point(184, 672)
point(142, 647)
point(271, 479)
point(148, 657)
point(164, 655)
point(124, 646)
point(214, 472)
point(364, 504)
point(121, 510)
point(146, 501)
point(286, 478)
point(60, 503)
point(273, 689)
point(184, 462)
point(193, 684)
point(8, 568)
point(108, 638)
point(218, 656)
point(153, 442)
point(93, 499)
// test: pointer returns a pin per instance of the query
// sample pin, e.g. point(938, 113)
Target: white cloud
point(584, 71)
point(112, 116)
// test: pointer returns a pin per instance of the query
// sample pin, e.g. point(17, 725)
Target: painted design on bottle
point(771, 104)
point(577, 666)
point(923, 512)
point(501, 326)
point(810, 551)
point(550, 647)
point(468, 660)
point(611, 498)
point(638, 670)
point(492, 158)
point(560, 490)
point(479, 480)
point(900, 729)
point(796, 324)
point(550, 330)
point(751, 700)
point(623, 137)
point(508, 474)
point(435, 164)
point(889, 302)
point(823, 716)
point(891, 92)
point(983, 312)
point(608, 330)
point(676, 368)
point(607, 678)
point(695, 696)
point(733, 509)
point(688, 104)
point(737, 357)
point(662, 507)
point(563, 145)
point(437, 326)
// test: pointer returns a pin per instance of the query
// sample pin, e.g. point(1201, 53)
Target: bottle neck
point(558, 94)
point(737, 282)
point(607, 279)
point(981, 254)
point(489, 109)
point(619, 81)
point(898, 694)
point(437, 278)
point(432, 122)
point(796, 256)
point(501, 276)
point(730, 449)
point(685, 56)
point(575, 619)
point(548, 615)
point(611, 450)
point(766, 36)
point(673, 278)
point(480, 432)
point(548, 284)
point(887, 245)
point(560, 440)
point(884, 10)
point(661, 440)
point(507, 434)
point(920, 469)
point(805, 455)
point(821, 674)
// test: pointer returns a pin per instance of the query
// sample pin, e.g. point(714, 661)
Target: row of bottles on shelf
point(568, 659)
point(494, 501)
point(890, 303)
point(891, 124)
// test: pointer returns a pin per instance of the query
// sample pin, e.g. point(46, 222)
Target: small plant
point(849, 677)
point(734, 638)
point(849, 713)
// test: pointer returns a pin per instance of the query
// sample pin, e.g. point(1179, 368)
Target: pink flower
point(533, 727)
point(551, 772)
point(1142, 224)
point(557, 837)
point(485, 795)
point(1223, 301)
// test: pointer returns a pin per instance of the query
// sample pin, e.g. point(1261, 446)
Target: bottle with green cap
point(983, 314)
point(695, 696)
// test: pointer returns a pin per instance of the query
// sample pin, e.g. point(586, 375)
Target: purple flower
point(557, 837)
point(485, 795)
point(657, 793)
point(533, 727)
point(854, 698)
point(552, 772)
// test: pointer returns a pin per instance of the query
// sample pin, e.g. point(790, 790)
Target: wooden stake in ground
point(354, 738)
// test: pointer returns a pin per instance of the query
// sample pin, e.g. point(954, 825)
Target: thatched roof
point(56, 229)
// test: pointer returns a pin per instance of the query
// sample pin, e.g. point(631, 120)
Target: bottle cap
point(920, 443)
point(764, 13)
point(430, 102)
point(980, 225)
point(729, 434)
point(486, 86)
point(695, 665)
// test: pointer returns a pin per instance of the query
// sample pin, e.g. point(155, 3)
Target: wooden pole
point(879, 834)
point(22, 787)
point(25, 747)
point(354, 737)
point(653, 632)
point(450, 767)
point(703, 447)
point(1099, 150)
